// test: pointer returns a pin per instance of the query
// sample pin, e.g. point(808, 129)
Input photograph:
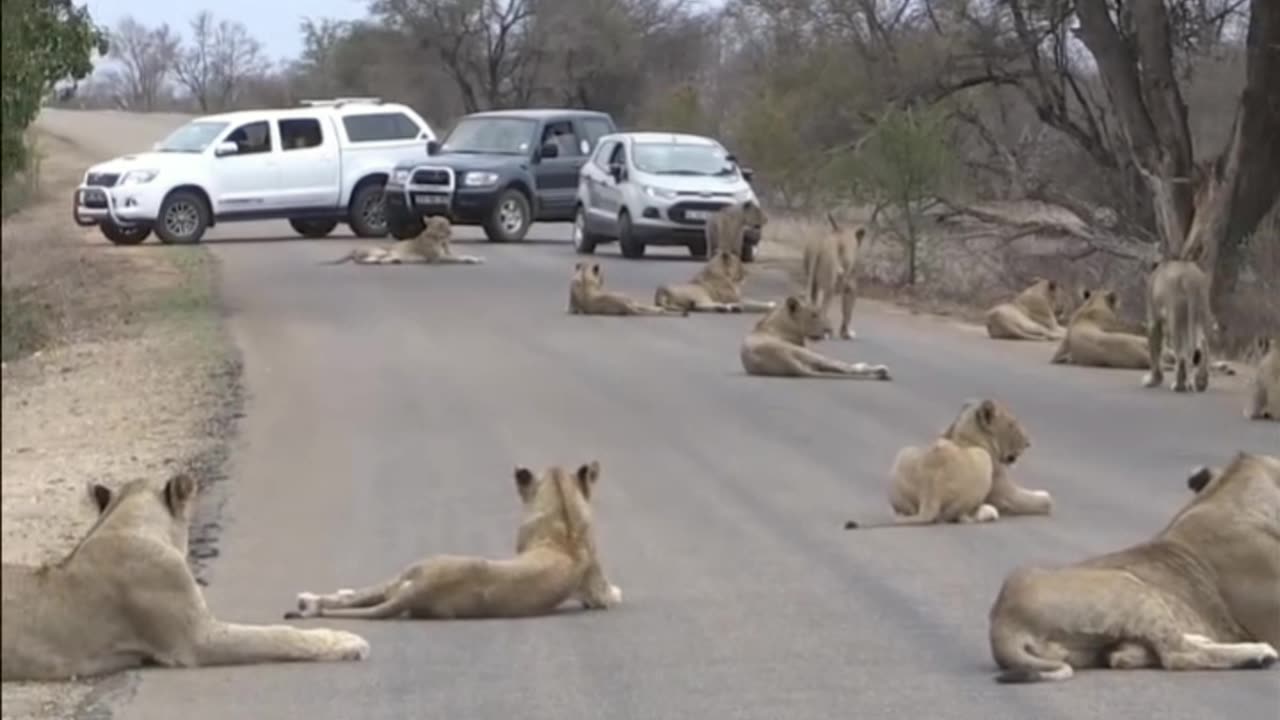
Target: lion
point(727, 226)
point(962, 477)
point(716, 288)
point(1200, 595)
point(556, 560)
point(775, 347)
point(587, 296)
point(1178, 302)
point(430, 247)
point(830, 268)
point(1097, 338)
point(1263, 400)
point(125, 597)
point(1030, 315)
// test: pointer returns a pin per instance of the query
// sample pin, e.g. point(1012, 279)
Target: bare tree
point(146, 57)
point(221, 58)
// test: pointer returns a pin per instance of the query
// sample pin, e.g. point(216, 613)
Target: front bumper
point(444, 197)
point(124, 205)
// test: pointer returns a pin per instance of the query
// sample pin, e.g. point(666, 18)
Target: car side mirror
point(226, 148)
point(747, 173)
point(549, 150)
point(731, 159)
point(617, 171)
point(433, 147)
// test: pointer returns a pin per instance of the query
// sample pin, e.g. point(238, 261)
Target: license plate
point(697, 214)
point(93, 196)
point(423, 199)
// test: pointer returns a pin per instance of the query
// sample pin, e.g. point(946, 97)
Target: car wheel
point(312, 228)
point(118, 235)
point(406, 229)
point(367, 214)
point(184, 217)
point(584, 242)
point(510, 217)
point(698, 247)
point(631, 248)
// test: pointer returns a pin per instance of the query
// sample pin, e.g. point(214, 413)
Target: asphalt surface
point(388, 406)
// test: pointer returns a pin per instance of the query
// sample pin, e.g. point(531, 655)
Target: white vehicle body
point(655, 188)
point(312, 165)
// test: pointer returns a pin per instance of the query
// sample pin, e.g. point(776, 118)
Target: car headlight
point(657, 192)
point(480, 179)
point(138, 177)
point(400, 177)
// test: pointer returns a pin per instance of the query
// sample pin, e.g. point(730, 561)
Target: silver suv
point(648, 188)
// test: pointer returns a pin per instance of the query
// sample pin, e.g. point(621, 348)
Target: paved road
point(387, 407)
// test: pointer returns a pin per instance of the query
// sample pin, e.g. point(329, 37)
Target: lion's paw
point(986, 513)
point(341, 645)
point(615, 595)
point(1150, 380)
point(882, 372)
point(308, 606)
point(1262, 656)
point(848, 334)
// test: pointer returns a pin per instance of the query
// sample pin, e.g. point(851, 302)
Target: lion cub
point(1096, 337)
point(1264, 393)
point(1030, 315)
point(830, 268)
point(1200, 595)
point(776, 347)
point(727, 226)
point(716, 288)
point(587, 296)
point(962, 477)
point(125, 597)
point(431, 247)
point(555, 560)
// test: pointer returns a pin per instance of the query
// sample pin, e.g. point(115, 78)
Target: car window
point(300, 133)
point(561, 134)
point(619, 155)
point(594, 129)
point(251, 138)
point(376, 127)
point(601, 158)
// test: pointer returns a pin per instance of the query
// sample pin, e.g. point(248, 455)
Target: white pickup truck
point(314, 166)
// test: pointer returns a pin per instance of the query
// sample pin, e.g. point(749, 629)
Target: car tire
point(510, 217)
point(183, 218)
point(584, 241)
point(132, 235)
point(406, 229)
point(632, 248)
point(307, 227)
point(698, 248)
point(367, 213)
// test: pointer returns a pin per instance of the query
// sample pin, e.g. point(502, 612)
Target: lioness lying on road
point(830, 269)
point(430, 247)
point(587, 296)
point(125, 597)
point(555, 560)
point(1263, 401)
point(775, 347)
point(1178, 304)
point(962, 477)
point(1200, 595)
point(1096, 337)
point(716, 288)
point(1030, 315)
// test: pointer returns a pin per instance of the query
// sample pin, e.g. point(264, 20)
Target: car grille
point(431, 177)
point(93, 199)
point(102, 179)
point(677, 211)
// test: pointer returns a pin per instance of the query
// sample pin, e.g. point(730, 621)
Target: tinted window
point(251, 138)
point(561, 134)
point(374, 127)
point(602, 154)
point(300, 133)
point(595, 128)
point(619, 156)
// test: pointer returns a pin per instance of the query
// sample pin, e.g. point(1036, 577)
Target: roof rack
point(340, 101)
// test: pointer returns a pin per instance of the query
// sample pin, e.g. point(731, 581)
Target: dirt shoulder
point(136, 378)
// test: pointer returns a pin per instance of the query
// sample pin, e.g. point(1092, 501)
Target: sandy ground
point(140, 370)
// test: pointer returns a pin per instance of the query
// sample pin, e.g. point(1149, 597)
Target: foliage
point(44, 41)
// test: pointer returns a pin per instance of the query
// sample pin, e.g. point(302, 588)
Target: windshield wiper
point(681, 172)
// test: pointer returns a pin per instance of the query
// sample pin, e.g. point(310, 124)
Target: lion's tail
point(1012, 649)
point(349, 257)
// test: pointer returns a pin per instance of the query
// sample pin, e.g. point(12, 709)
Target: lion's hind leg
point(753, 306)
point(219, 643)
point(314, 605)
point(1196, 652)
point(822, 366)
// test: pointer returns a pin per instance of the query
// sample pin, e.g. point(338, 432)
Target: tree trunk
point(911, 246)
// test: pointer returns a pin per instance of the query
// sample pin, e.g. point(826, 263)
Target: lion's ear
point(587, 476)
point(524, 478)
point(100, 495)
point(793, 304)
point(1085, 294)
point(1199, 479)
point(1112, 298)
point(178, 491)
point(860, 234)
point(986, 413)
point(595, 268)
point(1053, 286)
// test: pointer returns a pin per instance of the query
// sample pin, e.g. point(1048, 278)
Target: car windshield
point(491, 135)
point(193, 137)
point(681, 159)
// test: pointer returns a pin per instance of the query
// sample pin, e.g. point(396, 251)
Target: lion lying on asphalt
point(587, 296)
point(1030, 315)
point(716, 288)
point(555, 560)
point(1178, 303)
point(1200, 595)
point(1097, 338)
point(1263, 401)
point(776, 347)
point(125, 597)
point(430, 247)
point(831, 268)
point(962, 477)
